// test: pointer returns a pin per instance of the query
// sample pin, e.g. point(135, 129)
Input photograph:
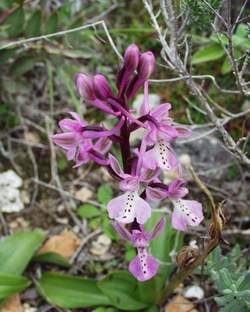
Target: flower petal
point(186, 212)
point(143, 210)
point(143, 267)
point(102, 145)
point(127, 207)
point(165, 158)
point(158, 227)
point(66, 140)
point(67, 124)
point(161, 111)
point(149, 159)
point(115, 166)
point(155, 193)
point(176, 190)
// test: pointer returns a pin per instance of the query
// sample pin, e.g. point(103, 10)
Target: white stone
point(194, 292)
point(10, 178)
point(10, 197)
point(101, 245)
point(185, 160)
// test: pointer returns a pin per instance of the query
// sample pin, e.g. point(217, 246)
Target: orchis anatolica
point(140, 177)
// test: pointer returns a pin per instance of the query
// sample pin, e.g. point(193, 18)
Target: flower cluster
point(140, 176)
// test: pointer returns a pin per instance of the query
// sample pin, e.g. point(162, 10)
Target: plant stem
point(125, 147)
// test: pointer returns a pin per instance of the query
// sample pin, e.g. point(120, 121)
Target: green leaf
point(70, 292)
point(210, 53)
point(11, 284)
point(163, 246)
point(5, 55)
point(120, 287)
point(242, 30)
point(15, 22)
point(104, 309)
point(22, 65)
point(51, 24)
point(104, 194)
point(17, 250)
point(226, 66)
point(52, 257)
point(108, 228)
point(241, 42)
point(88, 211)
point(33, 26)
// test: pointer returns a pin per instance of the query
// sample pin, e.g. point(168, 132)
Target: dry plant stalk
point(190, 258)
point(176, 55)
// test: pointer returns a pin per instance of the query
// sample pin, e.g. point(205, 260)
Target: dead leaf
point(32, 137)
point(13, 304)
point(180, 304)
point(64, 244)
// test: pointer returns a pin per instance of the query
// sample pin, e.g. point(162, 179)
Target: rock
point(19, 224)
point(180, 304)
point(83, 194)
point(194, 292)
point(28, 308)
point(64, 244)
point(10, 198)
point(185, 160)
point(100, 246)
point(10, 178)
point(246, 106)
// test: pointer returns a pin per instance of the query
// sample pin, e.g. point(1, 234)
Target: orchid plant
point(141, 174)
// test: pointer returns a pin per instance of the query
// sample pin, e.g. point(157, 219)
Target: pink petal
point(127, 207)
point(186, 212)
point(176, 190)
point(154, 193)
point(168, 132)
point(124, 233)
point(71, 153)
point(142, 210)
point(143, 267)
point(77, 117)
point(183, 131)
point(66, 140)
point(158, 227)
point(148, 174)
point(67, 124)
point(144, 109)
point(103, 145)
point(114, 164)
point(149, 160)
point(165, 158)
point(121, 209)
point(161, 111)
point(129, 183)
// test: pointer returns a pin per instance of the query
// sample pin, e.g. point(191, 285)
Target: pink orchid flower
point(186, 212)
point(129, 206)
point(77, 146)
point(160, 133)
point(143, 267)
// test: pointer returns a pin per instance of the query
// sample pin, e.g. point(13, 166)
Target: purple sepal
point(101, 87)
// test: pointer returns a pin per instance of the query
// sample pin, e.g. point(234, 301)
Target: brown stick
point(215, 238)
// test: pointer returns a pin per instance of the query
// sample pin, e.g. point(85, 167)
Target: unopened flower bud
point(146, 65)
point(101, 87)
point(131, 57)
point(84, 85)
